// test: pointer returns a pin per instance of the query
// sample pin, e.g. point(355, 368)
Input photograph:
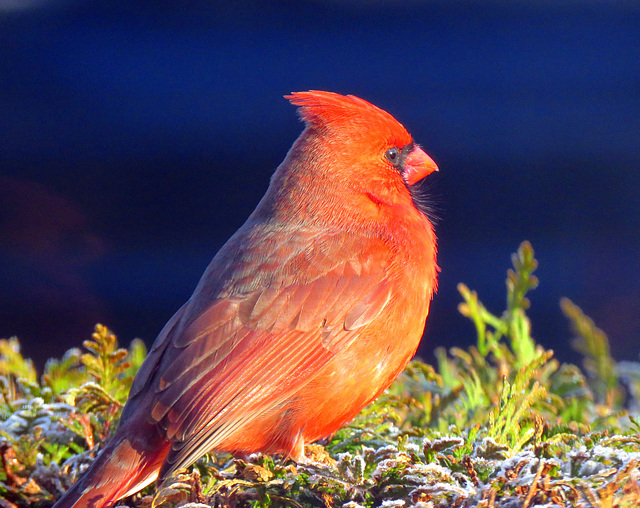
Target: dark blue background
point(136, 137)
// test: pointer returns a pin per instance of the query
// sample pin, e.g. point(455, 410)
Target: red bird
point(308, 313)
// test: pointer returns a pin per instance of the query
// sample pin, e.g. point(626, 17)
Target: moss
point(500, 424)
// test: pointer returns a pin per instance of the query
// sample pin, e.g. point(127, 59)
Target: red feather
point(306, 315)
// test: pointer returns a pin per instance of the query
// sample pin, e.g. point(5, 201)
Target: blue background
point(136, 137)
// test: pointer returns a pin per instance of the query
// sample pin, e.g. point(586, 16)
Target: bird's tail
point(121, 469)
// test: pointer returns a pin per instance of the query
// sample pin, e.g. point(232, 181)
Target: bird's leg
point(296, 450)
point(241, 456)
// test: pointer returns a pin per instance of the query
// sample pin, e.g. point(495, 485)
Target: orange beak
point(418, 165)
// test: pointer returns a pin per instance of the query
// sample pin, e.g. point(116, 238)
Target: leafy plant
point(594, 346)
point(61, 417)
point(499, 424)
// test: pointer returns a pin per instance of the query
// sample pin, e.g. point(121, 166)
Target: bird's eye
point(393, 155)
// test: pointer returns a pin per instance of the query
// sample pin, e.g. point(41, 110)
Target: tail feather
point(119, 471)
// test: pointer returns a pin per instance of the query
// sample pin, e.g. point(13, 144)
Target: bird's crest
point(320, 108)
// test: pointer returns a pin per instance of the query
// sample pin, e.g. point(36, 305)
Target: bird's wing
point(283, 312)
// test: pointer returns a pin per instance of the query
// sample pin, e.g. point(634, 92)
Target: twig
point(534, 485)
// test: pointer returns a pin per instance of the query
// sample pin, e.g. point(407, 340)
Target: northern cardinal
point(308, 313)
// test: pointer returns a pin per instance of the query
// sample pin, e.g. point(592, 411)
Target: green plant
point(61, 417)
point(501, 423)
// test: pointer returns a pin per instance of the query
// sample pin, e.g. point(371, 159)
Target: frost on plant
point(500, 424)
point(52, 425)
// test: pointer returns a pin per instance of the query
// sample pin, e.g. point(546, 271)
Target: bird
point(307, 313)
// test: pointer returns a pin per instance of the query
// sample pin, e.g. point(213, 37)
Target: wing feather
point(265, 317)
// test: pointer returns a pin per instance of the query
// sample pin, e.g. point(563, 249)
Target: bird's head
point(354, 134)
point(352, 161)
